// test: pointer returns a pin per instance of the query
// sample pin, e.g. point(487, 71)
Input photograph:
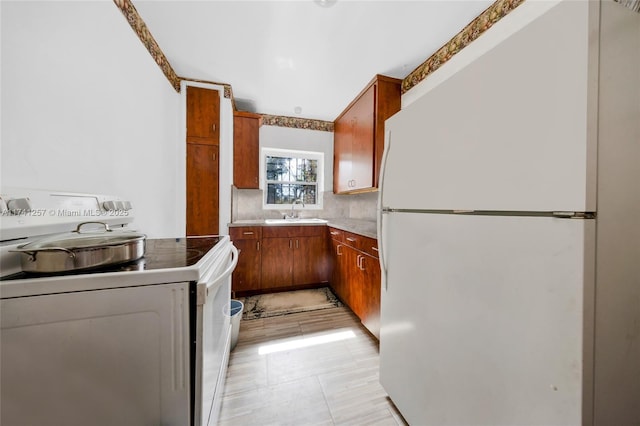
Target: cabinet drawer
point(245, 233)
point(336, 234)
point(354, 240)
point(362, 243)
point(293, 231)
point(370, 246)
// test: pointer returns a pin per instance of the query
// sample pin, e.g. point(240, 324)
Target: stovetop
point(162, 253)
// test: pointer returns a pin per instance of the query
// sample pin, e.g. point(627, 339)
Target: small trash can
point(236, 315)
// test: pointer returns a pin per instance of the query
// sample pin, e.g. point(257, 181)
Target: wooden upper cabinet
point(203, 116)
point(342, 147)
point(246, 150)
point(359, 136)
point(362, 141)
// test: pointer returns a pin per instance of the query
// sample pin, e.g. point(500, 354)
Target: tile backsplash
point(246, 204)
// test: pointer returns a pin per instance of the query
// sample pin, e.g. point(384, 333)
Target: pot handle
point(106, 226)
point(33, 253)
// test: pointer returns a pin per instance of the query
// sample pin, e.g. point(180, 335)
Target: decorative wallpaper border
point(140, 28)
point(227, 87)
point(482, 23)
point(631, 4)
point(297, 123)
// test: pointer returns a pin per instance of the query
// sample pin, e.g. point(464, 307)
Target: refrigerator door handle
point(381, 237)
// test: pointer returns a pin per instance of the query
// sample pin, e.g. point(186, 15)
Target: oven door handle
point(204, 286)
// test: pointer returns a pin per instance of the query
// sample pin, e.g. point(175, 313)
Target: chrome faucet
point(293, 215)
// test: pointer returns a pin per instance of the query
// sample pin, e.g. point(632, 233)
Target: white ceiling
point(279, 55)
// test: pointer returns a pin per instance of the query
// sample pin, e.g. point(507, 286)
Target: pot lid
point(79, 239)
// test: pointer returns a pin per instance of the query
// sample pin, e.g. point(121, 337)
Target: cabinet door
point(246, 161)
point(342, 138)
point(277, 262)
point(310, 264)
point(354, 152)
point(359, 136)
point(356, 279)
point(246, 276)
point(370, 284)
point(339, 274)
point(203, 115)
point(202, 189)
point(353, 277)
point(362, 146)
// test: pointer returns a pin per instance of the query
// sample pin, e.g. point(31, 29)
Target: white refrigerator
point(509, 228)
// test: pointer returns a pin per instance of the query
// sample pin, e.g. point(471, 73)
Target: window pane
point(286, 169)
point(284, 193)
point(278, 168)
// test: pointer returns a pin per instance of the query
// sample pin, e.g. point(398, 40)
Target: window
point(292, 177)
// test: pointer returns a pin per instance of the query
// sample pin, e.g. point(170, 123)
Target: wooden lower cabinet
point(247, 277)
point(294, 256)
point(339, 278)
point(279, 258)
point(370, 283)
point(356, 276)
point(310, 260)
point(277, 263)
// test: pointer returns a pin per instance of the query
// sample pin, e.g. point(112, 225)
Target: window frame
point(291, 153)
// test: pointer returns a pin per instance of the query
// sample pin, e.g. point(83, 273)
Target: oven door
point(213, 334)
point(102, 357)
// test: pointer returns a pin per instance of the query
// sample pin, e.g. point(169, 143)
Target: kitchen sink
point(296, 221)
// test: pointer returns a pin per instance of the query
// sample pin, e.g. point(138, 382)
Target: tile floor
point(330, 377)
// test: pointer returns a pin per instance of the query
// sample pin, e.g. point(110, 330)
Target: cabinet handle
point(213, 127)
point(338, 252)
point(257, 245)
point(247, 233)
point(290, 244)
point(353, 240)
point(334, 233)
point(297, 244)
point(362, 259)
point(374, 248)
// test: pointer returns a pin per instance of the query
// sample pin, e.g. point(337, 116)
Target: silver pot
point(81, 250)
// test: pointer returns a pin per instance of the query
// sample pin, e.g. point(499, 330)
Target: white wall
point(85, 108)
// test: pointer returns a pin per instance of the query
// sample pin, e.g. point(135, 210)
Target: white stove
point(144, 342)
